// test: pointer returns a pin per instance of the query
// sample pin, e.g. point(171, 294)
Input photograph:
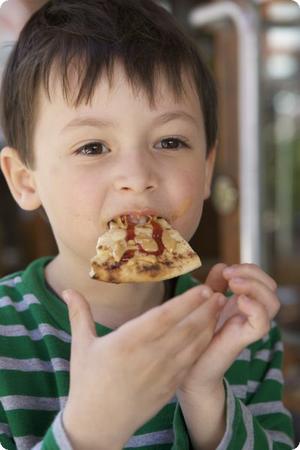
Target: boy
point(107, 109)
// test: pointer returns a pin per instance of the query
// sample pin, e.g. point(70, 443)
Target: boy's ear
point(209, 169)
point(20, 179)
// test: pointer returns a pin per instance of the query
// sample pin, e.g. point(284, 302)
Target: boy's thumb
point(80, 315)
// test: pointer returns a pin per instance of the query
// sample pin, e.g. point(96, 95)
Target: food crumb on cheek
point(182, 209)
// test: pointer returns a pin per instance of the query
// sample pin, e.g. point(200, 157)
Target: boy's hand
point(245, 318)
point(254, 282)
point(121, 380)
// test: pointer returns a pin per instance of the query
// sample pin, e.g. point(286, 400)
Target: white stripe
point(155, 438)
point(11, 282)
point(278, 436)
point(270, 443)
point(267, 355)
point(276, 375)
point(259, 409)
point(35, 364)
point(28, 442)
point(28, 299)
point(230, 413)
point(4, 429)
point(266, 338)
point(245, 355)
point(272, 374)
point(60, 433)
point(37, 334)
point(38, 446)
point(252, 386)
point(14, 402)
point(239, 390)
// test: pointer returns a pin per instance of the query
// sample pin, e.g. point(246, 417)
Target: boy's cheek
point(189, 203)
point(187, 216)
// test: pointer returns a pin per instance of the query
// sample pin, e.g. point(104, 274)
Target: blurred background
point(253, 215)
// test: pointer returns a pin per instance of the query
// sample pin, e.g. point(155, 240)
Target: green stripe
point(239, 435)
point(6, 442)
point(260, 439)
point(270, 390)
point(236, 373)
point(277, 422)
point(259, 369)
point(153, 447)
point(30, 422)
point(159, 422)
point(22, 347)
point(41, 384)
point(49, 442)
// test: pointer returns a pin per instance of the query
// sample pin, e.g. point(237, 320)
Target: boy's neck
point(111, 304)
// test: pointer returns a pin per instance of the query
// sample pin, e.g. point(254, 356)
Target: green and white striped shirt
point(35, 340)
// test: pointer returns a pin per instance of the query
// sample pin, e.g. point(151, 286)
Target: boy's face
point(132, 158)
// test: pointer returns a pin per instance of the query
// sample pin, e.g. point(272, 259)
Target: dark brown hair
point(91, 35)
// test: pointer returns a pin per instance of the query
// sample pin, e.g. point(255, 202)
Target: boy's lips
point(138, 214)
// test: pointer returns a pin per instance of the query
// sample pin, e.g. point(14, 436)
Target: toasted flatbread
point(131, 252)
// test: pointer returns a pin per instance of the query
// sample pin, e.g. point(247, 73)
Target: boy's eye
point(173, 143)
point(92, 148)
point(97, 148)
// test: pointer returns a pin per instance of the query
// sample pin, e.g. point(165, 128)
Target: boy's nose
point(134, 184)
point(136, 177)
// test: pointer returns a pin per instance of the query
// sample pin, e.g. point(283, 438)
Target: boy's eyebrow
point(101, 123)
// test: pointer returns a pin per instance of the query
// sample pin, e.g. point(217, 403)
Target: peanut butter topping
point(149, 245)
point(118, 250)
point(169, 242)
point(118, 235)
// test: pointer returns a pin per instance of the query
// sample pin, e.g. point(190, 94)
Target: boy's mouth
point(135, 217)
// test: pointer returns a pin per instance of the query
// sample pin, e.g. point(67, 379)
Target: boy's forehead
point(115, 103)
point(108, 89)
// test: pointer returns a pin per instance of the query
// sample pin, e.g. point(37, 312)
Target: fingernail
point(238, 280)
point(245, 299)
point(228, 271)
point(205, 292)
point(222, 300)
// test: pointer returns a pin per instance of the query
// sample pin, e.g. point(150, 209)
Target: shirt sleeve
point(6, 439)
point(55, 438)
point(256, 418)
point(260, 421)
point(181, 436)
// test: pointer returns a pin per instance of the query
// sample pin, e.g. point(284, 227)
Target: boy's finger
point(159, 320)
point(196, 326)
point(250, 271)
point(215, 279)
point(257, 324)
point(224, 348)
point(237, 333)
point(80, 316)
point(255, 289)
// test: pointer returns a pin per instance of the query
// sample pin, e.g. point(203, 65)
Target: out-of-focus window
point(280, 130)
point(281, 139)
